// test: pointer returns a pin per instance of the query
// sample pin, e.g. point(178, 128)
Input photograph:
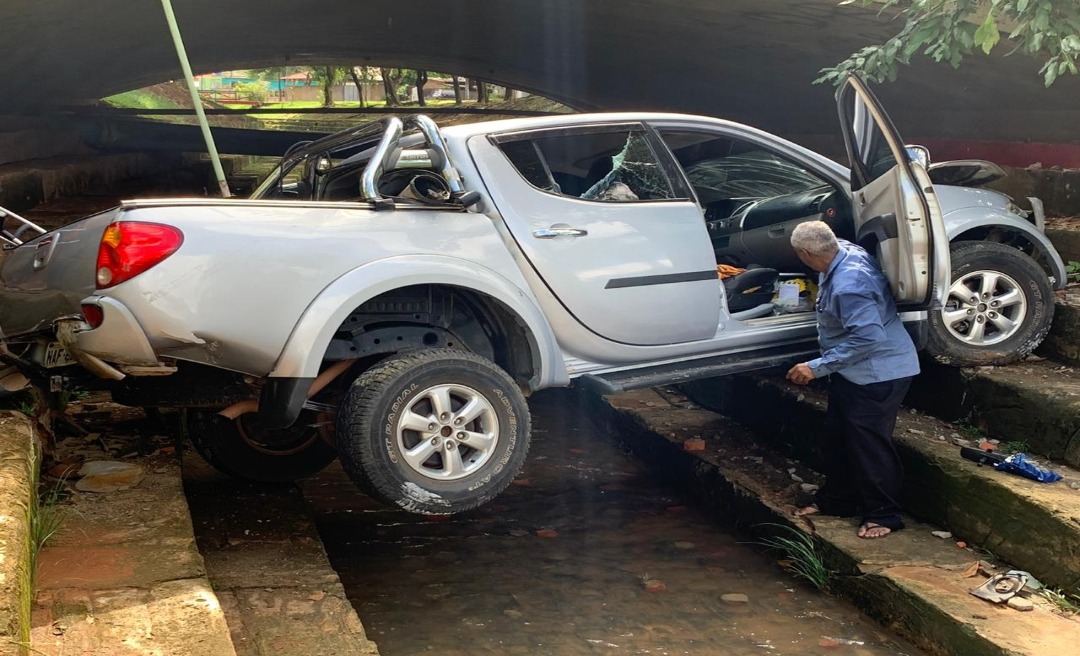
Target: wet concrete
point(585, 554)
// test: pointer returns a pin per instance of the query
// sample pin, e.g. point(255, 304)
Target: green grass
point(1017, 446)
point(140, 99)
point(1072, 271)
point(968, 431)
point(1065, 603)
point(801, 557)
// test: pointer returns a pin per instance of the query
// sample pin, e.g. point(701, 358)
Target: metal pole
point(215, 160)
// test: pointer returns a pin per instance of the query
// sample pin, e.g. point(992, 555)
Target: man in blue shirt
point(870, 360)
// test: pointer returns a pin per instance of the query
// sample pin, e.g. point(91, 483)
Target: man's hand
point(801, 374)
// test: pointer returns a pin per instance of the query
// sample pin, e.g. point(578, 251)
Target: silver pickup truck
point(391, 294)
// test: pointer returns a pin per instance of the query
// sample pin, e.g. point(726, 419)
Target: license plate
point(57, 356)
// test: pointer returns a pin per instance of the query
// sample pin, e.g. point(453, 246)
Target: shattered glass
point(635, 175)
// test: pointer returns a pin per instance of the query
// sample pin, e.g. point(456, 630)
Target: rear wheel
point(999, 307)
point(242, 448)
point(434, 432)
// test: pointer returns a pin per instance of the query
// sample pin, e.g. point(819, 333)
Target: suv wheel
point(998, 309)
point(242, 448)
point(434, 432)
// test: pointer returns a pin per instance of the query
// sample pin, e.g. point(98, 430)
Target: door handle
point(551, 233)
point(776, 232)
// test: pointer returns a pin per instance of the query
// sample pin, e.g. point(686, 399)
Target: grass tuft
point(801, 555)
point(1065, 603)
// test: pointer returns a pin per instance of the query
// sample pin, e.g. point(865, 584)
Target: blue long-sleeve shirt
point(860, 334)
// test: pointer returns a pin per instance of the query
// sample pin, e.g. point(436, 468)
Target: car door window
point(873, 155)
point(612, 166)
point(721, 167)
point(753, 196)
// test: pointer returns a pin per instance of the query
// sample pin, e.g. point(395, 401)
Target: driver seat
point(750, 288)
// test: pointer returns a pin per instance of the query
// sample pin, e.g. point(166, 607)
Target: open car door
point(896, 210)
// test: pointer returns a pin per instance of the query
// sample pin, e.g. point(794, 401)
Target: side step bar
point(685, 371)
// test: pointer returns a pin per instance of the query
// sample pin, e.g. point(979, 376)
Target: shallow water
point(584, 554)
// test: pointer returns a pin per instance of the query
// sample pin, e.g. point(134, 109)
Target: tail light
point(128, 248)
point(93, 314)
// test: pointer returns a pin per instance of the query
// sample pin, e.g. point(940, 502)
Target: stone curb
point(1034, 526)
point(122, 575)
point(18, 462)
point(911, 583)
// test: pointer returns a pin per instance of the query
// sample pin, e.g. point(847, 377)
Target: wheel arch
point(1009, 230)
point(503, 304)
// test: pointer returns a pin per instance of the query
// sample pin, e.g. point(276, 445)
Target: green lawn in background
point(141, 99)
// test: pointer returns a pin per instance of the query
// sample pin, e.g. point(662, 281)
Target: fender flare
point(310, 338)
point(959, 222)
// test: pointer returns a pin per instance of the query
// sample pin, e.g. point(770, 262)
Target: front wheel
point(999, 307)
point(434, 432)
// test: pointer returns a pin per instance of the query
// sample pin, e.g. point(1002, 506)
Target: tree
point(457, 90)
point(258, 91)
point(421, 80)
point(949, 30)
point(391, 78)
point(328, 77)
point(357, 82)
point(481, 92)
point(274, 76)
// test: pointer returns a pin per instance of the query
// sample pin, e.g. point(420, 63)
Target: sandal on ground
point(808, 510)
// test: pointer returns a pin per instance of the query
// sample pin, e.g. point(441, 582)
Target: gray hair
point(814, 237)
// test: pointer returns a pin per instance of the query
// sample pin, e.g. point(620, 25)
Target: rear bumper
point(117, 347)
point(119, 339)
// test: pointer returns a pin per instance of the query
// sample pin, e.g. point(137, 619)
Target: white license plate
point(57, 356)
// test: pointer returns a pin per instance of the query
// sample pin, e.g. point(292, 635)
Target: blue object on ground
point(1018, 463)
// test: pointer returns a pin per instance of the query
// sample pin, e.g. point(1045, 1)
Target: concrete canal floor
point(585, 554)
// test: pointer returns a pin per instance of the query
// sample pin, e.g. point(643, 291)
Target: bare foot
point(872, 531)
point(806, 511)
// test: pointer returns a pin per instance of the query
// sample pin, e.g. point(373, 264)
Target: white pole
point(215, 159)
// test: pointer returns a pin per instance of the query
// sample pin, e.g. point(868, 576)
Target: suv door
point(615, 237)
point(893, 201)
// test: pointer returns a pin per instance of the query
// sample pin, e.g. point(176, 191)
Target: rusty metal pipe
point(321, 381)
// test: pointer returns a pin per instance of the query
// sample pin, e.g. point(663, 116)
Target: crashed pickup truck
point(391, 294)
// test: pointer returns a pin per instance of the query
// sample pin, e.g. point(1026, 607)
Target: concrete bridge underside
point(749, 60)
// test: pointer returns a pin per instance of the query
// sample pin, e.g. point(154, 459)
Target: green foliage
point(258, 90)
point(949, 30)
point(801, 557)
point(1065, 603)
point(1072, 271)
point(1017, 446)
point(46, 519)
point(968, 431)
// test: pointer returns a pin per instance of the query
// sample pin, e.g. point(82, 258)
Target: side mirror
point(920, 154)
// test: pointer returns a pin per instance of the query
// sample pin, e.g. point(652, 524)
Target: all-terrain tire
point(999, 307)
point(236, 447)
point(433, 431)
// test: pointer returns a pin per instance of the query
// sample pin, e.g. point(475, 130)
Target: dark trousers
point(863, 472)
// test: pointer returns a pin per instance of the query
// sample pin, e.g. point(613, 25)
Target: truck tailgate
point(48, 276)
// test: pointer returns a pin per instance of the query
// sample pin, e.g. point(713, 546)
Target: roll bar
point(14, 237)
point(389, 155)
